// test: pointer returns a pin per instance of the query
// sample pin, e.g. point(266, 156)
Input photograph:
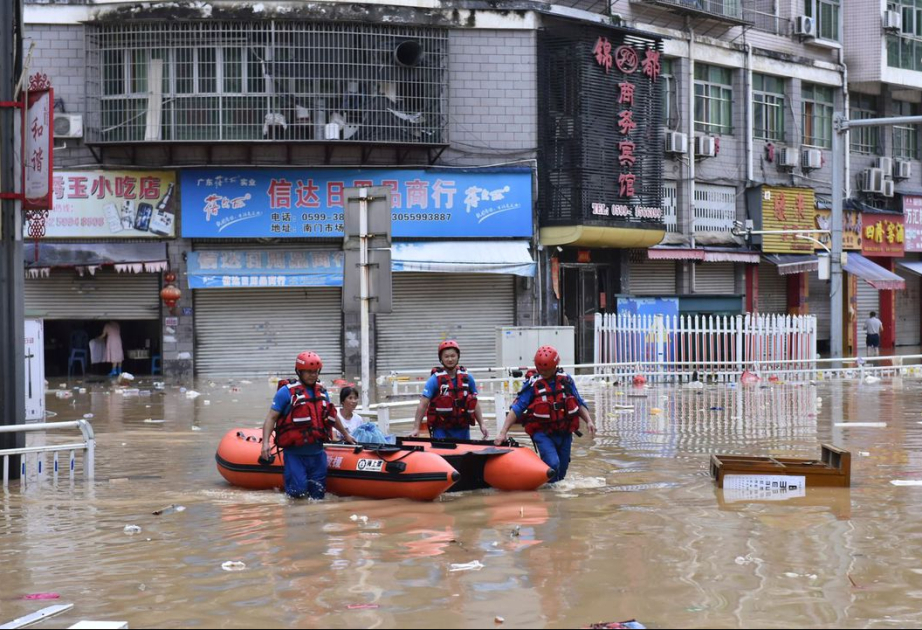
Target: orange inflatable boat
point(373, 471)
point(482, 464)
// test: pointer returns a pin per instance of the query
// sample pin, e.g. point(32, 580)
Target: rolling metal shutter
point(773, 290)
point(818, 304)
point(653, 277)
point(103, 296)
point(908, 302)
point(868, 300)
point(715, 278)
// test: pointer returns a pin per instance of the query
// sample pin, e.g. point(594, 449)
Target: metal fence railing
point(87, 446)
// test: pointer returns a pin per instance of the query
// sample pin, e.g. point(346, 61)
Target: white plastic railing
point(88, 446)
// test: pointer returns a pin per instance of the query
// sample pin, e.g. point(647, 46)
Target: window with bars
point(768, 107)
point(904, 49)
point(713, 99)
point(864, 140)
point(282, 80)
point(671, 116)
point(826, 14)
point(906, 137)
point(818, 103)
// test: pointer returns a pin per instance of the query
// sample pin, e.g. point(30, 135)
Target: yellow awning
point(595, 236)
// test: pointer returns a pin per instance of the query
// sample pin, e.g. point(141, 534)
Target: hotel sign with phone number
point(112, 204)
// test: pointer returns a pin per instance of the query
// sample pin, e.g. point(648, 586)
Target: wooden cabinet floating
point(833, 469)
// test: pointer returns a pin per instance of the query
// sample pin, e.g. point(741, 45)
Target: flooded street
point(638, 529)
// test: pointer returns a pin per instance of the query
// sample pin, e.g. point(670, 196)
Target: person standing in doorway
point(873, 326)
point(111, 334)
point(449, 399)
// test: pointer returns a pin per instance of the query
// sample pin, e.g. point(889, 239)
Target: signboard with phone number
point(112, 204)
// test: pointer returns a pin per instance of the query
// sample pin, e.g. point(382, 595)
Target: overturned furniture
point(833, 469)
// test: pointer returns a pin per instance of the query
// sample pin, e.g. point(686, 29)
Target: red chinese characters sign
point(789, 210)
point(912, 220)
point(38, 145)
point(627, 60)
point(882, 235)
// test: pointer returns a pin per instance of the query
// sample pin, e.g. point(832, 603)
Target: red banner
point(38, 149)
point(882, 235)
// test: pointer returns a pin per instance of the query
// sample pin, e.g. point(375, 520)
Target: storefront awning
point(873, 274)
point(88, 257)
point(226, 269)
point(914, 266)
point(788, 264)
point(509, 257)
point(598, 236)
point(703, 255)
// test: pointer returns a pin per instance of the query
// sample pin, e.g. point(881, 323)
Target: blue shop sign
point(295, 203)
point(229, 269)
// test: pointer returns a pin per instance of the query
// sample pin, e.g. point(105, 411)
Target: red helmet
point(445, 345)
point(546, 358)
point(308, 361)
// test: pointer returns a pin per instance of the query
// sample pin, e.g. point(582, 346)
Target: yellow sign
point(791, 210)
point(851, 230)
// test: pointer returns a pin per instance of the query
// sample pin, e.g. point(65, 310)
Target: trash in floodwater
point(871, 380)
point(874, 425)
point(362, 606)
point(717, 408)
point(132, 529)
point(82, 390)
point(192, 394)
point(34, 596)
point(356, 517)
point(159, 385)
point(63, 394)
point(152, 421)
point(498, 619)
point(207, 402)
point(906, 482)
point(632, 624)
point(233, 565)
point(125, 377)
point(196, 428)
point(87, 415)
point(476, 565)
point(169, 510)
point(245, 382)
point(656, 411)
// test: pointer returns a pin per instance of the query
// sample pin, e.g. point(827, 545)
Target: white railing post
point(384, 420)
point(499, 409)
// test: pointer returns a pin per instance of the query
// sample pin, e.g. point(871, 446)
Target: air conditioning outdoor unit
point(889, 186)
point(885, 164)
point(893, 21)
point(902, 169)
point(68, 126)
point(705, 146)
point(805, 26)
point(676, 142)
point(812, 159)
point(788, 157)
point(871, 180)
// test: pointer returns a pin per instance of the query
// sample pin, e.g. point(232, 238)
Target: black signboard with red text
point(601, 127)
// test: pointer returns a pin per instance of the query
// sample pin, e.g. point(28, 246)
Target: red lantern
point(169, 277)
point(170, 295)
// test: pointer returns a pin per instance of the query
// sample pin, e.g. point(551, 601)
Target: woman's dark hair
point(345, 392)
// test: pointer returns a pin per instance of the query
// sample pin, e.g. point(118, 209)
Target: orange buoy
point(482, 464)
point(373, 472)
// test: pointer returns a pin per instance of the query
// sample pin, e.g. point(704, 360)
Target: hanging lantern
point(170, 295)
point(169, 277)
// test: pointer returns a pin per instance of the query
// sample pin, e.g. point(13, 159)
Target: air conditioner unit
point(68, 126)
point(676, 142)
point(805, 26)
point(885, 164)
point(893, 21)
point(788, 157)
point(705, 146)
point(889, 186)
point(871, 180)
point(812, 159)
point(902, 169)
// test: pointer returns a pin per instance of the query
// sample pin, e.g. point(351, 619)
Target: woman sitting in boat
point(362, 430)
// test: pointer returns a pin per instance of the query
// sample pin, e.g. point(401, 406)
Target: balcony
point(729, 11)
point(269, 81)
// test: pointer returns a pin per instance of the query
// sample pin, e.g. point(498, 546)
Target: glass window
point(826, 14)
point(865, 140)
point(713, 99)
point(906, 137)
point(670, 94)
point(904, 49)
point(768, 107)
point(817, 115)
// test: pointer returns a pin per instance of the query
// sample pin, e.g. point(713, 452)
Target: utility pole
point(12, 359)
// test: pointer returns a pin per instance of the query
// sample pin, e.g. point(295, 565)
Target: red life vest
point(553, 408)
point(453, 404)
point(307, 421)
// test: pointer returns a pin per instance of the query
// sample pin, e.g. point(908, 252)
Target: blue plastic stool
point(77, 356)
point(155, 364)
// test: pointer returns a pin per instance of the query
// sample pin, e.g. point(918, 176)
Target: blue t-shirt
point(527, 395)
point(282, 403)
point(429, 391)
